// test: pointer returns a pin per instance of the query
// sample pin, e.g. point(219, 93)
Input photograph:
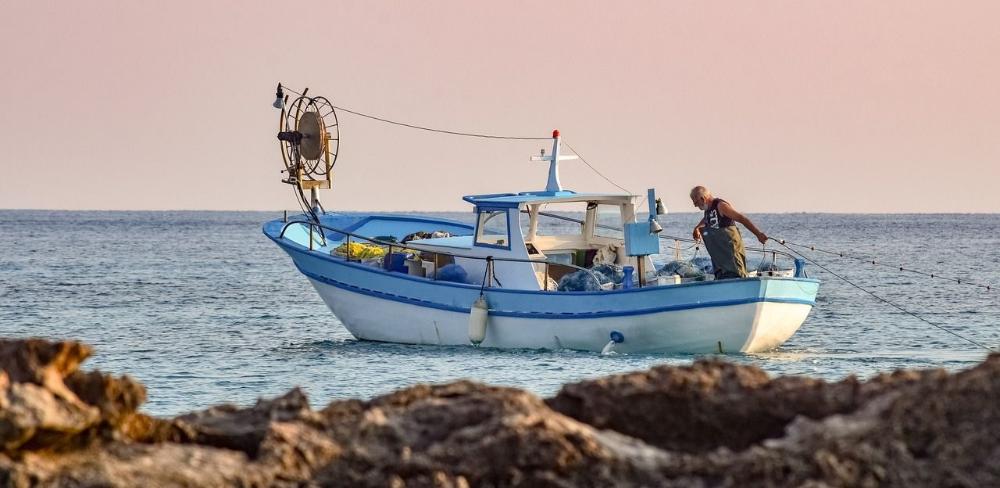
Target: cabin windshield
point(492, 229)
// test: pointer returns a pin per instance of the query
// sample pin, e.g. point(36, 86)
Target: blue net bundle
point(579, 281)
point(704, 263)
point(602, 274)
point(685, 269)
point(453, 273)
point(609, 273)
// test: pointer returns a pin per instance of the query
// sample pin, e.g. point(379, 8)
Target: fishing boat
point(502, 281)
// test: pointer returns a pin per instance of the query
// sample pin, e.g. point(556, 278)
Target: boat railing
point(773, 253)
point(549, 265)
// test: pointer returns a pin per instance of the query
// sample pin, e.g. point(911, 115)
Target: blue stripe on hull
point(547, 315)
point(400, 287)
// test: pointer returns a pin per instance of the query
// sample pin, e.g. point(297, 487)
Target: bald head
point(701, 197)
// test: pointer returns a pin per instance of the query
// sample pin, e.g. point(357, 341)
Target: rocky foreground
point(708, 424)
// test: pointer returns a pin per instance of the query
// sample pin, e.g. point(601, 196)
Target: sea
point(203, 309)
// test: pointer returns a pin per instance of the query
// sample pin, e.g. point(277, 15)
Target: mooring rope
point(878, 262)
point(877, 297)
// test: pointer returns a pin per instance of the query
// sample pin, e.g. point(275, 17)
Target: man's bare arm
point(726, 209)
point(696, 234)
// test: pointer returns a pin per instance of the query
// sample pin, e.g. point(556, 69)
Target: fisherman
point(722, 237)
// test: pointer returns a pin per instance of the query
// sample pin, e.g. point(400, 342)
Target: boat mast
point(553, 184)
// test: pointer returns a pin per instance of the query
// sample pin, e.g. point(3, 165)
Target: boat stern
point(786, 304)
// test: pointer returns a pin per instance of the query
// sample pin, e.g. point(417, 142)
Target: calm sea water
point(203, 309)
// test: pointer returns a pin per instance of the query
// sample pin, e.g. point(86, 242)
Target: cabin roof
point(537, 197)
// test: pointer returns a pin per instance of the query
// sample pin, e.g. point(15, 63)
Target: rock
point(32, 417)
point(468, 434)
point(709, 424)
point(710, 404)
point(243, 429)
point(42, 363)
point(932, 429)
point(116, 398)
point(46, 403)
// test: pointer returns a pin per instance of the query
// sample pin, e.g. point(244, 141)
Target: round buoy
point(617, 337)
point(477, 321)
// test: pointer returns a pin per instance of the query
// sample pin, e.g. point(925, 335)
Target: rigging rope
point(877, 262)
point(877, 297)
point(442, 131)
point(595, 169)
point(429, 129)
point(472, 134)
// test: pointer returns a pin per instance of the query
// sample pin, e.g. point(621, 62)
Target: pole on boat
point(553, 158)
point(642, 239)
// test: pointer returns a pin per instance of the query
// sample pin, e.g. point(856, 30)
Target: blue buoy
point(617, 337)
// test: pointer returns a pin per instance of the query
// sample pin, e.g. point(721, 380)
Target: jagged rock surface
point(708, 424)
point(713, 403)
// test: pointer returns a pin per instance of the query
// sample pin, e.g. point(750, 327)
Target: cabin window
point(562, 219)
point(609, 221)
point(492, 228)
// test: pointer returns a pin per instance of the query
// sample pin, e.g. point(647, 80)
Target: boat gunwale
point(548, 315)
point(292, 246)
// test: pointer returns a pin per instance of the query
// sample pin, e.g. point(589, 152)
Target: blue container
point(396, 262)
point(800, 268)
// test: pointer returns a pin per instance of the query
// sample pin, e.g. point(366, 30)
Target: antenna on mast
point(553, 184)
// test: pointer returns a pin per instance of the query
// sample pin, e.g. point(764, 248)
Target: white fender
point(477, 321)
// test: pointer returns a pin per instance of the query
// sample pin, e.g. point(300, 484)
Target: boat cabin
point(583, 229)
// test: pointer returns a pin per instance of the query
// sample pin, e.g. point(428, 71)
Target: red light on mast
point(555, 133)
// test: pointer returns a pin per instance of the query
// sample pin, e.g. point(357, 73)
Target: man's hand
point(761, 237)
point(697, 233)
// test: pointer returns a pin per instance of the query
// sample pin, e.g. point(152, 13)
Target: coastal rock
point(32, 417)
point(42, 363)
point(468, 434)
point(708, 424)
point(712, 403)
point(929, 429)
point(46, 403)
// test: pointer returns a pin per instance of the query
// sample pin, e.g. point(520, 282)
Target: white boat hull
point(744, 327)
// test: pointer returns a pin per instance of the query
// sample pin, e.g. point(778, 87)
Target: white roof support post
point(532, 221)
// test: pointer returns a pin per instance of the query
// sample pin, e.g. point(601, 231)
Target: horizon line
point(298, 211)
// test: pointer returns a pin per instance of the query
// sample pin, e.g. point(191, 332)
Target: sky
point(777, 106)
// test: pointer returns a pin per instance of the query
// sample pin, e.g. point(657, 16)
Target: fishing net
point(704, 263)
point(609, 273)
point(579, 281)
point(684, 269)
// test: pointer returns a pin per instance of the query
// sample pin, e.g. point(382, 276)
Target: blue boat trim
point(293, 247)
point(545, 315)
point(397, 218)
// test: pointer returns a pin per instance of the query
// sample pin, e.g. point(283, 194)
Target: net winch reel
point(309, 136)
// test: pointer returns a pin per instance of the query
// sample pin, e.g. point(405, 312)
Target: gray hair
point(699, 192)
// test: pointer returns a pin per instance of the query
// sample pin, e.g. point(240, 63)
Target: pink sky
point(789, 106)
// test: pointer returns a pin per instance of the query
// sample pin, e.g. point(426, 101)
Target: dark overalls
point(724, 243)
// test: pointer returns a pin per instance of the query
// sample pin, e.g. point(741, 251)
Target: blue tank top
point(714, 219)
